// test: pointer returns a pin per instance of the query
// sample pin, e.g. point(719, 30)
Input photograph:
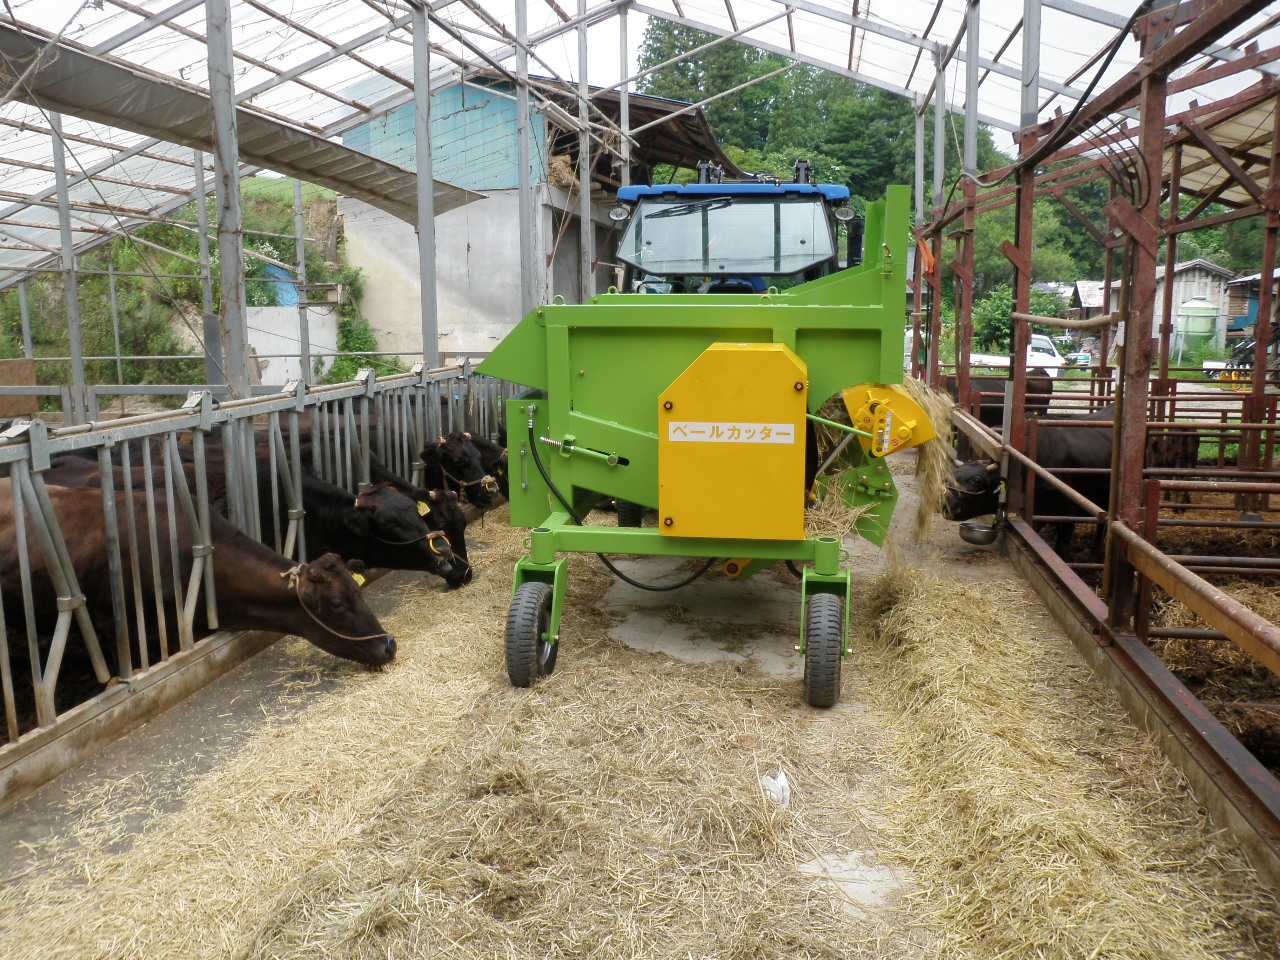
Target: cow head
point(398, 526)
point(454, 463)
point(445, 515)
point(338, 620)
point(493, 457)
point(974, 490)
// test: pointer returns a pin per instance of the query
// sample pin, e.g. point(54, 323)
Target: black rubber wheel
point(823, 643)
point(530, 652)
point(629, 514)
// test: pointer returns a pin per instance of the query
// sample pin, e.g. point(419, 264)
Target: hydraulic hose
point(537, 462)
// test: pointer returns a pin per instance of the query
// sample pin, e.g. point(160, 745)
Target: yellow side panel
point(731, 445)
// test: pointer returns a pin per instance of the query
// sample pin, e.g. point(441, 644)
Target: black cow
point(257, 589)
point(454, 463)
point(381, 527)
point(991, 409)
point(493, 459)
point(976, 486)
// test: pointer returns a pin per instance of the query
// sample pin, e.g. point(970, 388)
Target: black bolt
point(667, 522)
point(667, 405)
point(799, 385)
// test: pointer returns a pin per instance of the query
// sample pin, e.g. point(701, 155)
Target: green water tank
point(1197, 322)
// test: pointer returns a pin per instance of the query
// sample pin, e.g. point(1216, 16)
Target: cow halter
point(430, 536)
point(490, 484)
point(295, 581)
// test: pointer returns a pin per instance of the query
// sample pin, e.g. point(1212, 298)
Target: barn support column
point(1019, 252)
point(1255, 405)
point(28, 350)
point(300, 254)
point(115, 326)
point(226, 161)
point(932, 370)
point(1164, 385)
point(918, 281)
point(78, 413)
point(972, 22)
point(1108, 277)
point(1142, 225)
point(426, 185)
point(242, 497)
point(586, 232)
point(963, 268)
point(934, 377)
point(524, 193)
point(939, 130)
point(213, 359)
point(624, 100)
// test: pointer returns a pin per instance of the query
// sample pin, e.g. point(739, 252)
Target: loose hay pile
point(1021, 849)
point(432, 810)
point(1217, 664)
point(932, 464)
point(830, 516)
point(933, 459)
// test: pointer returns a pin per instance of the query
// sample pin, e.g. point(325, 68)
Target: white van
point(1041, 353)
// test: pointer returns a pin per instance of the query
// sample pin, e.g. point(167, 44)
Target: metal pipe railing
point(157, 526)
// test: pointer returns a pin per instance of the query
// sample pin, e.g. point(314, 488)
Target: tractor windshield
point(728, 235)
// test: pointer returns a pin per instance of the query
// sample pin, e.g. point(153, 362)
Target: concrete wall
point(477, 269)
point(276, 330)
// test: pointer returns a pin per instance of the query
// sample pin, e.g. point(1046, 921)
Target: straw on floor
point(1026, 839)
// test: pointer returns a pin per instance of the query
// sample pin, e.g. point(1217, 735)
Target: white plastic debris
point(777, 788)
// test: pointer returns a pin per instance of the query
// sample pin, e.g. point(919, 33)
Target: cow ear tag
point(423, 509)
point(358, 578)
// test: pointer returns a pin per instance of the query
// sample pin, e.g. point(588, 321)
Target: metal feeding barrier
point(330, 432)
point(700, 405)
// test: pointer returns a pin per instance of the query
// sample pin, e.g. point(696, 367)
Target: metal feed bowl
point(981, 534)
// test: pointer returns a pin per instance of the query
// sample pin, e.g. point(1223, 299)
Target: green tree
point(1050, 260)
point(852, 133)
point(992, 324)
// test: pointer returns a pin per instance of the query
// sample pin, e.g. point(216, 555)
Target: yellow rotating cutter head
point(895, 421)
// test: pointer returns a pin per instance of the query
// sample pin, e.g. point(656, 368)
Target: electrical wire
point(537, 462)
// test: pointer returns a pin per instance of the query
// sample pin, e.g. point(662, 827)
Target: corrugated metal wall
point(473, 133)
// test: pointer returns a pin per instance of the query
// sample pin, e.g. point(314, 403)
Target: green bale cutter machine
point(694, 393)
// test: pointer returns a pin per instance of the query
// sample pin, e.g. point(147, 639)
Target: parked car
point(1044, 353)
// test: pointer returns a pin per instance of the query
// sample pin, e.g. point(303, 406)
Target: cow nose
point(391, 647)
point(446, 567)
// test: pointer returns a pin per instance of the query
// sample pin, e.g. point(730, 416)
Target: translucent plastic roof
point(319, 67)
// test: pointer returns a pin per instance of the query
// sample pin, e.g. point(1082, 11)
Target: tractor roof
point(828, 191)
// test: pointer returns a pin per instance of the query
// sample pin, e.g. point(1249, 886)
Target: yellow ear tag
point(358, 578)
point(423, 509)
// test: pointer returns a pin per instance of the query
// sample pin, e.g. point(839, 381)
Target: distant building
point(1242, 304)
point(474, 145)
point(1086, 299)
point(1193, 280)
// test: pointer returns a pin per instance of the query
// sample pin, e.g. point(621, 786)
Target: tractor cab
point(742, 236)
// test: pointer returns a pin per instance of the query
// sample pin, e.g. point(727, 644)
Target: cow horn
point(994, 467)
point(955, 462)
point(466, 436)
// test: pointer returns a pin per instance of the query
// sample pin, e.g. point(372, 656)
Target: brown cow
point(257, 589)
